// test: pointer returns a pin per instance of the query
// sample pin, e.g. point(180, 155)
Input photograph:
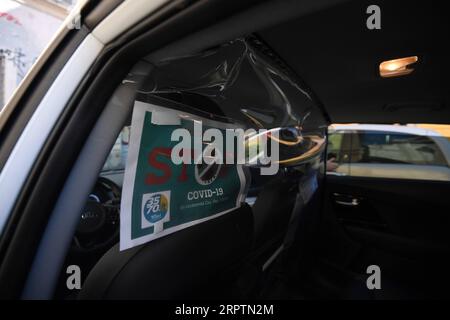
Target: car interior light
point(397, 67)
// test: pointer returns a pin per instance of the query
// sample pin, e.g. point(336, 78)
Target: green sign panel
point(160, 197)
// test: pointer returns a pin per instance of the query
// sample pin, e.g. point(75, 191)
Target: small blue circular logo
point(155, 209)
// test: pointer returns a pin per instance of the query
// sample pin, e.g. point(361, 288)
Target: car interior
point(304, 233)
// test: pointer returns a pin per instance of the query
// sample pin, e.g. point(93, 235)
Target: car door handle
point(353, 203)
point(346, 200)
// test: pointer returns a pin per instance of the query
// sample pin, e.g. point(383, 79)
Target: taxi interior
point(262, 64)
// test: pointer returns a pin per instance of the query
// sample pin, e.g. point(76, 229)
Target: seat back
point(198, 262)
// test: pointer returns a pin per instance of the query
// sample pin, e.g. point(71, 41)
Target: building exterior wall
point(26, 28)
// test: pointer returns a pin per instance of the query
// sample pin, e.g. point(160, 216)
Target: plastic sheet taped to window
point(245, 83)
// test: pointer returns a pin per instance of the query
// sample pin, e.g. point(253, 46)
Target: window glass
point(390, 151)
point(391, 147)
point(338, 153)
point(26, 28)
point(334, 145)
point(117, 158)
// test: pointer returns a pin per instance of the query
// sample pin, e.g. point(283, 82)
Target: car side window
point(359, 151)
point(338, 153)
point(396, 148)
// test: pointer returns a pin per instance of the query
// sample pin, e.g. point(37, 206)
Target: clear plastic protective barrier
point(244, 83)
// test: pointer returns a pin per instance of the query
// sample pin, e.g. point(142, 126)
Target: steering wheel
point(98, 228)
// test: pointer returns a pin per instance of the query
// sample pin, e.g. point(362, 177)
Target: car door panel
point(398, 222)
point(407, 210)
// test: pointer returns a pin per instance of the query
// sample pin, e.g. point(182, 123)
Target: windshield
point(117, 158)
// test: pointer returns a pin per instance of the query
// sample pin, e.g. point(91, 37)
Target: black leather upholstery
point(198, 262)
